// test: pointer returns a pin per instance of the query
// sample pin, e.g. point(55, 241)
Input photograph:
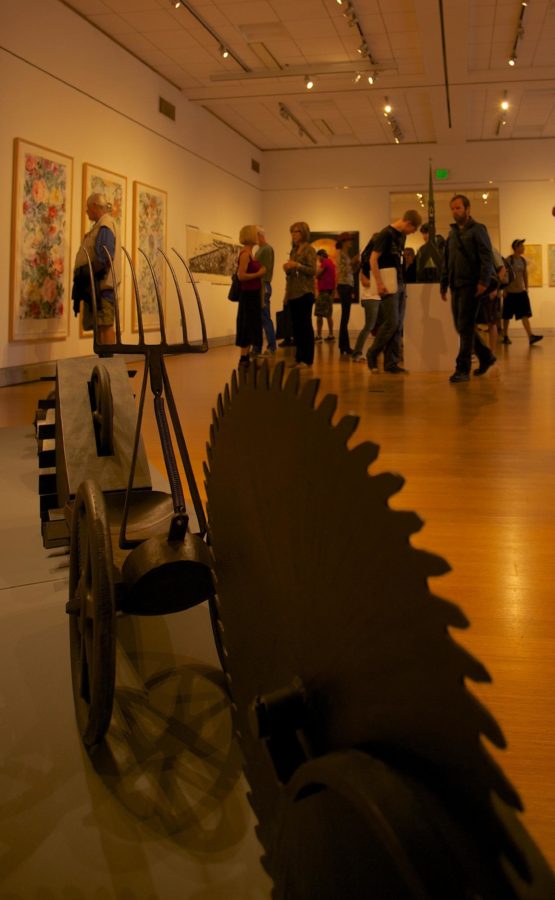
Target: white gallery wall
point(68, 88)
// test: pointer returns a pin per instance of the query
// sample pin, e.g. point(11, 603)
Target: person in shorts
point(517, 302)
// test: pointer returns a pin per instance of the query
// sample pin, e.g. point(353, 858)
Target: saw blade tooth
point(220, 406)
point(277, 377)
point(365, 454)
point(309, 391)
point(292, 384)
point(234, 383)
point(227, 398)
point(387, 483)
point(346, 427)
point(326, 409)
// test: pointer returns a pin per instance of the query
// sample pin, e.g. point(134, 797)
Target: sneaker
point(396, 370)
point(506, 340)
point(358, 357)
point(456, 377)
point(372, 363)
point(535, 338)
point(483, 367)
point(345, 353)
point(330, 337)
point(318, 339)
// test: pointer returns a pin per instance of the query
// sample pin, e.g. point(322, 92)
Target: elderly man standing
point(468, 272)
point(265, 256)
point(103, 234)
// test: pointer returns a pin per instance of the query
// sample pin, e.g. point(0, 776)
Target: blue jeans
point(267, 324)
point(390, 331)
point(370, 308)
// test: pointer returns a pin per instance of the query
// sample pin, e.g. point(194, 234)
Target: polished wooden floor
point(478, 460)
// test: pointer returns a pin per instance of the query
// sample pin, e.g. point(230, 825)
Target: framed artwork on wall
point(114, 186)
point(533, 256)
point(551, 264)
point(212, 257)
point(149, 234)
point(326, 240)
point(41, 264)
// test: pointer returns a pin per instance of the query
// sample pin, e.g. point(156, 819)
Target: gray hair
point(99, 200)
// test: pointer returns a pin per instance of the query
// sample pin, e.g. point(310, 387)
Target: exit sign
point(442, 174)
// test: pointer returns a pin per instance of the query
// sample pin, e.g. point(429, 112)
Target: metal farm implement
point(131, 547)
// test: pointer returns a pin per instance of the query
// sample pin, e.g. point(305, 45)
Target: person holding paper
point(386, 267)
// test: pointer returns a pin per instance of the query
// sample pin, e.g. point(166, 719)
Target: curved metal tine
point(179, 296)
point(116, 297)
point(137, 298)
point(197, 295)
point(184, 453)
point(158, 298)
point(96, 344)
point(124, 543)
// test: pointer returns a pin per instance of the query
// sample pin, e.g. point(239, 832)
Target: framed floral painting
point(114, 187)
point(533, 257)
point(41, 265)
point(149, 235)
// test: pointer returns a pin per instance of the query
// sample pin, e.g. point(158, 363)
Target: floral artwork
point(533, 257)
point(114, 187)
point(149, 236)
point(41, 265)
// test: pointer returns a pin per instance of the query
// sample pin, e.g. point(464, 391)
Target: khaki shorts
point(104, 316)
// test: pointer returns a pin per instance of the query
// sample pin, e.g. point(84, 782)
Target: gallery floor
point(160, 812)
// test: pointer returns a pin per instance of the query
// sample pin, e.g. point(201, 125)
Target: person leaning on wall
point(102, 237)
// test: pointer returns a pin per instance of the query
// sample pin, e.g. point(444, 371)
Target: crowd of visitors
point(484, 289)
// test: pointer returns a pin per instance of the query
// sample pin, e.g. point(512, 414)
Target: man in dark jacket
point(468, 271)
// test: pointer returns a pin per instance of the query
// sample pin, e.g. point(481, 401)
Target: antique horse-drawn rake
point(132, 549)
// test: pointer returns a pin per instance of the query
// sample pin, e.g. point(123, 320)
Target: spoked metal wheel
point(91, 609)
point(102, 410)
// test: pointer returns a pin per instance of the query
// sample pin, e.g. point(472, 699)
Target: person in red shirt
point(325, 279)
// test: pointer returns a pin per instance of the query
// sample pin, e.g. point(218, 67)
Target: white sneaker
point(358, 357)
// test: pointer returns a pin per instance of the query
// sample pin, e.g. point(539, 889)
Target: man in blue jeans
point(265, 256)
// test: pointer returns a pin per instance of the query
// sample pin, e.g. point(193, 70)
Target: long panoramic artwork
point(40, 252)
point(212, 257)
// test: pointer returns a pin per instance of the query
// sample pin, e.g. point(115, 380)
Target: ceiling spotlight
point(224, 51)
point(176, 3)
point(357, 78)
point(363, 49)
point(372, 77)
point(504, 104)
point(512, 61)
point(309, 84)
point(387, 108)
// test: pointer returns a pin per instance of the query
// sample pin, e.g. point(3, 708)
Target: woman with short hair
point(249, 310)
point(300, 272)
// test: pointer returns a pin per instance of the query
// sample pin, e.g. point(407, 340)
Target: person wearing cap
point(517, 301)
point(468, 272)
point(346, 265)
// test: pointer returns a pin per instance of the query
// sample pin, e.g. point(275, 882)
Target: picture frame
point(211, 256)
point(533, 257)
point(551, 265)
point(114, 186)
point(326, 240)
point(40, 259)
point(149, 234)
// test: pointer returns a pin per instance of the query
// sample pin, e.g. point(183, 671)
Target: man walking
point(386, 264)
point(265, 256)
point(468, 272)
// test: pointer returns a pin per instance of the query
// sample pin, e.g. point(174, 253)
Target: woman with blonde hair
point(300, 271)
point(249, 312)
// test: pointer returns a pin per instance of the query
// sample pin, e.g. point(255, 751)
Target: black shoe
point(506, 340)
point(483, 367)
point(396, 370)
point(372, 363)
point(244, 362)
point(345, 352)
point(330, 337)
point(535, 338)
point(456, 377)
point(288, 342)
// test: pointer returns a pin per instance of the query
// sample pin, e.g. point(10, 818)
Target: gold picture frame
point(150, 211)
point(551, 265)
point(97, 180)
point(534, 264)
point(40, 261)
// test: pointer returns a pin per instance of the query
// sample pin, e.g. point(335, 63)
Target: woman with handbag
point(249, 312)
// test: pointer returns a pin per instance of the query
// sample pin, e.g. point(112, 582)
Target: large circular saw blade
point(317, 581)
